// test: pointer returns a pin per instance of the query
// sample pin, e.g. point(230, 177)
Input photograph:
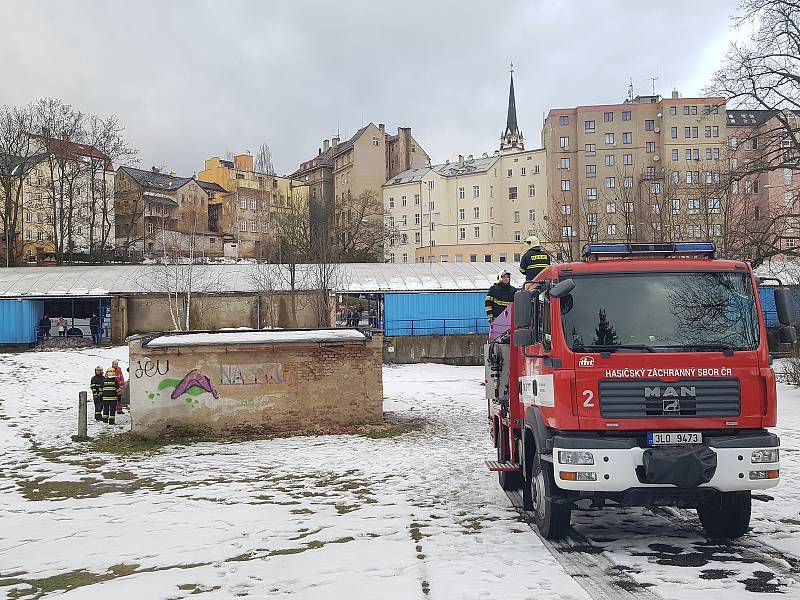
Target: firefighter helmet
point(532, 240)
point(501, 273)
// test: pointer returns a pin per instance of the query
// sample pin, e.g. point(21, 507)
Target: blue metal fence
point(435, 313)
point(437, 326)
point(18, 319)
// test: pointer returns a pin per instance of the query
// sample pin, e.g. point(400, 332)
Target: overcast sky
point(192, 79)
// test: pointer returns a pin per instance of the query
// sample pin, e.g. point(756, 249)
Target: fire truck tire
point(552, 518)
point(726, 514)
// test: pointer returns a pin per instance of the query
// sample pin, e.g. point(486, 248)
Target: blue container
point(18, 320)
point(436, 313)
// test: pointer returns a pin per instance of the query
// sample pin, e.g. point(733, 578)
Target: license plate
point(670, 438)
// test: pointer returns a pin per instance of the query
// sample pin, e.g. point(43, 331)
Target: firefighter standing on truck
point(110, 393)
point(500, 295)
point(535, 260)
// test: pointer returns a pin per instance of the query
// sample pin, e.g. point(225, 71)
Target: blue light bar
point(597, 251)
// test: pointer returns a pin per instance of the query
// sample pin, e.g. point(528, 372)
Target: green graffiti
point(168, 383)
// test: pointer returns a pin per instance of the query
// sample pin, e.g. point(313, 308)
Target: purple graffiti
point(194, 378)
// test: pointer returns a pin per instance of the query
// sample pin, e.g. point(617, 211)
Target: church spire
point(512, 138)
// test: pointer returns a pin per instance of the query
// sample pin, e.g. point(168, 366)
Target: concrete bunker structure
point(255, 382)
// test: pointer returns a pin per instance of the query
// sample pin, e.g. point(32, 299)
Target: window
point(695, 132)
point(461, 193)
point(516, 216)
point(589, 126)
point(674, 154)
point(405, 256)
point(733, 142)
point(149, 230)
point(253, 227)
point(565, 185)
point(708, 153)
point(751, 144)
point(649, 125)
point(715, 153)
point(707, 131)
point(532, 215)
point(713, 205)
point(627, 137)
point(416, 218)
point(391, 202)
point(565, 163)
point(650, 147)
point(629, 228)
point(462, 233)
point(263, 228)
point(566, 231)
point(491, 212)
point(694, 109)
point(473, 258)
point(460, 214)
point(611, 208)
point(591, 170)
point(491, 191)
point(416, 199)
point(564, 143)
point(517, 236)
point(687, 132)
point(591, 149)
point(476, 212)
point(476, 191)
point(755, 186)
point(708, 177)
point(611, 229)
point(524, 170)
point(40, 236)
point(611, 182)
point(531, 190)
point(243, 203)
point(626, 115)
point(417, 237)
point(242, 226)
point(715, 131)
point(655, 209)
point(591, 193)
point(676, 206)
point(608, 117)
point(566, 209)
point(591, 219)
point(673, 110)
point(695, 153)
point(673, 132)
point(430, 205)
point(405, 220)
point(627, 181)
point(375, 141)
point(502, 258)
point(686, 110)
point(609, 138)
point(688, 154)
point(509, 173)
point(676, 177)
point(627, 207)
point(655, 188)
point(253, 204)
point(487, 258)
point(609, 160)
point(404, 200)
point(476, 232)
point(512, 193)
point(627, 159)
point(563, 120)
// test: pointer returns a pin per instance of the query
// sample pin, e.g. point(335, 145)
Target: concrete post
point(82, 433)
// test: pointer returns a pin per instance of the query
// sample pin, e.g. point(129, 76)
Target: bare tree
point(263, 160)
point(360, 226)
point(19, 155)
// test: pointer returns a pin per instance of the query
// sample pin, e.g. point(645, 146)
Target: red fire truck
point(639, 376)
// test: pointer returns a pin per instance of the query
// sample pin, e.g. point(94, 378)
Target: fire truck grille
point(641, 398)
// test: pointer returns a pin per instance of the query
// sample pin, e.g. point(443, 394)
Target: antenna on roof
point(653, 80)
point(630, 89)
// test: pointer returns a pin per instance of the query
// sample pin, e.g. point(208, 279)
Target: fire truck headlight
point(575, 457)
point(765, 456)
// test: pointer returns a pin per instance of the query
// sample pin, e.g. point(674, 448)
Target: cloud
point(193, 79)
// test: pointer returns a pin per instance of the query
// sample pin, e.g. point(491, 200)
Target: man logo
point(586, 361)
point(670, 392)
point(671, 406)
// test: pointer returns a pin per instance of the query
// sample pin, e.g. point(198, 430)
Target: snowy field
point(351, 517)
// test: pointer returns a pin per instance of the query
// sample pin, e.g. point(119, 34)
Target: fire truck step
point(505, 467)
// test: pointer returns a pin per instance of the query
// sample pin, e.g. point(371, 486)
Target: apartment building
point(648, 169)
point(363, 163)
point(770, 199)
point(67, 202)
point(469, 210)
point(245, 213)
point(161, 213)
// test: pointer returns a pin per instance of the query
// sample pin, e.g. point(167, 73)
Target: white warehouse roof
point(92, 281)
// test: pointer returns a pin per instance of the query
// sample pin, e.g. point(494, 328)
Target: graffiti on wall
point(148, 368)
point(264, 374)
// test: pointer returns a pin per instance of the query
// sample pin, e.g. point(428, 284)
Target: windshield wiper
point(613, 347)
point(728, 350)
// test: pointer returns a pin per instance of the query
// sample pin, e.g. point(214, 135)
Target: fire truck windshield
point(695, 311)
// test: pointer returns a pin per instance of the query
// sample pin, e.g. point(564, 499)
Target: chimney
point(243, 162)
point(675, 94)
point(460, 160)
point(172, 173)
point(497, 152)
point(447, 161)
point(155, 169)
point(325, 145)
point(382, 127)
point(334, 142)
point(485, 155)
point(469, 158)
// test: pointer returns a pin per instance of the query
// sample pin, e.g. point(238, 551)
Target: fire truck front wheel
point(726, 514)
point(551, 517)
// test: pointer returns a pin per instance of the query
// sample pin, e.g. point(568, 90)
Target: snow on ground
point(412, 516)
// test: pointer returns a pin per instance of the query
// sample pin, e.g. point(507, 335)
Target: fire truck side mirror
point(784, 305)
point(523, 309)
point(562, 288)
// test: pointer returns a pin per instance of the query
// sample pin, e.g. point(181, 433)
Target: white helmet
point(532, 240)
point(501, 273)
